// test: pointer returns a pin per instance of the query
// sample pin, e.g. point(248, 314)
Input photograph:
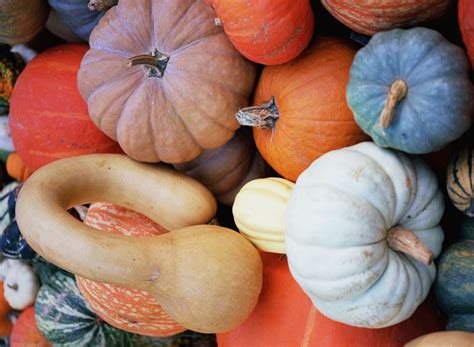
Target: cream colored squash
point(353, 216)
point(206, 277)
point(444, 339)
point(20, 285)
point(260, 212)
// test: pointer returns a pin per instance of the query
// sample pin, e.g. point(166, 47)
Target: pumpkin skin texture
point(343, 214)
point(229, 267)
point(310, 114)
point(113, 303)
point(460, 178)
point(443, 339)
point(260, 212)
point(267, 32)
point(20, 21)
point(285, 316)
point(223, 169)
point(195, 111)
point(466, 25)
point(5, 324)
point(77, 16)
point(369, 17)
point(48, 122)
point(428, 74)
point(454, 285)
point(25, 331)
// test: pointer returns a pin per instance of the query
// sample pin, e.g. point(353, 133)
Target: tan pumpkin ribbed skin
point(371, 16)
point(191, 107)
point(127, 309)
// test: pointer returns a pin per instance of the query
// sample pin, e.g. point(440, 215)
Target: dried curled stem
point(101, 5)
point(263, 116)
point(403, 240)
point(398, 90)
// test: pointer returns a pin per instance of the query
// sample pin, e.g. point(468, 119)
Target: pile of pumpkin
point(139, 209)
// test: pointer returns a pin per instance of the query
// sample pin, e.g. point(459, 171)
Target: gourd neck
point(398, 90)
point(403, 240)
point(263, 116)
point(154, 63)
point(101, 5)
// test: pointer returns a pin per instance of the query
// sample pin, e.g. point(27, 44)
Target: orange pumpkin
point(301, 110)
point(25, 332)
point(371, 16)
point(127, 309)
point(16, 168)
point(48, 119)
point(267, 32)
point(5, 324)
point(466, 25)
point(285, 316)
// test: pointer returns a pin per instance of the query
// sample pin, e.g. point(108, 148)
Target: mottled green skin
point(455, 285)
point(437, 107)
point(11, 64)
point(467, 228)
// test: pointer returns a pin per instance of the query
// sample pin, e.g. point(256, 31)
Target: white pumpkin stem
point(263, 116)
point(398, 90)
point(101, 5)
point(403, 240)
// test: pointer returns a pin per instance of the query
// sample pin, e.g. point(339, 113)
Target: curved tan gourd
point(444, 339)
point(207, 278)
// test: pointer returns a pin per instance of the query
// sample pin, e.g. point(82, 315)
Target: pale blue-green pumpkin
point(420, 81)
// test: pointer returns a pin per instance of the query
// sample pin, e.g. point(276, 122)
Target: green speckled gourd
point(64, 318)
point(11, 64)
point(455, 282)
point(460, 180)
point(410, 90)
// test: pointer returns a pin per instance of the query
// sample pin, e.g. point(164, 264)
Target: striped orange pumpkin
point(460, 178)
point(127, 309)
point(371, 16)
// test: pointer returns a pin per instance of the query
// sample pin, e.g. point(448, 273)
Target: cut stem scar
point(398, 90)
point(403, 240)
point(263, 116)
point(154, 63)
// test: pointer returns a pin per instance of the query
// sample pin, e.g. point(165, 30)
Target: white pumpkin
point(260, 212)
point(340, 214)
point(5, 266)
point(20, 286)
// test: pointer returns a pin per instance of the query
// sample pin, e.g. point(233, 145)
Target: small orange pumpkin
point(25, 332)
point(268, 32)
point(301, 110)
point(16, 168)
point(466, 25)
point(5, 324)
point(127, 309)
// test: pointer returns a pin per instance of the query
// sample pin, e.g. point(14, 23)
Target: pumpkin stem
point(13, 286)
point(263, 116)
point(154, 63)
point(101, 5)
point(398, 90)
point(403, 240)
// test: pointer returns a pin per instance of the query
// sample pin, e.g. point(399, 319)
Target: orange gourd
point(48, 119)
point(5, 324)
point(127, 309)
point(466, 25)
point(285, 316)
point(25, 332)
point(371, 16)
point(301, 110)
point(16, 167)
point(267, 32)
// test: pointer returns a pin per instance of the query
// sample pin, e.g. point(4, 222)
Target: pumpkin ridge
point(197, 107)
point(128, 29)
point(232, 171)
point(194, 43)
point(454, 174)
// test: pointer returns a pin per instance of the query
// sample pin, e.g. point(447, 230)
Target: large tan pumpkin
point(163, 80)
